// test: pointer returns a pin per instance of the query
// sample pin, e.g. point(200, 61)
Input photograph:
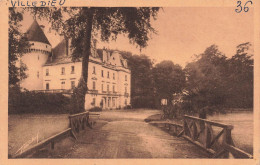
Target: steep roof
point(60, 54)
point(35, 33)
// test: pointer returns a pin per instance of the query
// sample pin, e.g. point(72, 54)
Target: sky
point(183, 32)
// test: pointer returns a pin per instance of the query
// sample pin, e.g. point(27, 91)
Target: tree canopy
point(169, 79)
point(213, 80)
point(17, 45)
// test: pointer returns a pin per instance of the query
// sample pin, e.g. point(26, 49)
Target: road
point(125, 134)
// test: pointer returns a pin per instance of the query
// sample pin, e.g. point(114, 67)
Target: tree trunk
point(79, 93)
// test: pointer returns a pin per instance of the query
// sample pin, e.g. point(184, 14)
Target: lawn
point(26, 129)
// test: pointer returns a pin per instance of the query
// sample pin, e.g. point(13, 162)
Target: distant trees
point(206, 79)
point(214, 81)
point(210, 83)
point(240, 77)
point(142, 84)
point(169, 79)
point(149, 84)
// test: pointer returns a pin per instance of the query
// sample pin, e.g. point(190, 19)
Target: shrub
point(33, 102)
point(95, 109)
point(128, 107)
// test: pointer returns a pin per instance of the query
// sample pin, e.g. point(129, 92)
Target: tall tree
point(142, 85)
point(84, 22)
point(206, 83)
point(240, 77)
point(169, 79)
point(17, 46)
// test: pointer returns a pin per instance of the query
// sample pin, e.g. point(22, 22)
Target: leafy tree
point(84, 22)
point(240, 77)
point(17, 46)
point(206, 83)
point(169, 78)
point(142, 85)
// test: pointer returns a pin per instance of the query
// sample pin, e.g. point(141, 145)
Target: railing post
point(52, 145)
point(227, 139)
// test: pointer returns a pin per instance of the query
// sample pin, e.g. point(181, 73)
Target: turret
point(36, 56)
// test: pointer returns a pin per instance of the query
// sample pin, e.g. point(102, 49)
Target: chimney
point(104, 53)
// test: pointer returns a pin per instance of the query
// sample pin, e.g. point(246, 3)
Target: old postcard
point(126, 82)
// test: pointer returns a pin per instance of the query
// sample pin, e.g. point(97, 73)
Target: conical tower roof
point(35, 33)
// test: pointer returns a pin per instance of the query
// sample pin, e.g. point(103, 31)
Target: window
point(62, 70)
point(38, 57)
point(47, 86)
point(102, 73)
point(102, 87)
point(125, 101)
point(114, 76)
point(94, 102)
point(38, 74)
point(94, 70)
point(108, 87)
point(94, 85)
point(72, 84)
point(47, 72)
point(125, 89)
point(114, 103)
point(72, 69)
point(108, 102)
point(107, 74)
point(125, 77)
point(113, 88)
point(62, 84)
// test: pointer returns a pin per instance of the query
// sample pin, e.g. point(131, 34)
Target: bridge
point(126, 134)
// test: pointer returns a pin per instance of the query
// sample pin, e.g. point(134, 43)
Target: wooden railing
point(213, 137)
point(51, 140)
point(172, 128)
point(78, 122)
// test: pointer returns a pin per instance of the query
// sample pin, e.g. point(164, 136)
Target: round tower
point(36, 56)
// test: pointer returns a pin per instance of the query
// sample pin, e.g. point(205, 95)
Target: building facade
point(52, 70)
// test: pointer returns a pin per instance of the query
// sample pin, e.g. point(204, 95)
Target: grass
point(25, 129)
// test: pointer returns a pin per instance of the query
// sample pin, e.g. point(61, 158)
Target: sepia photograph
point(131, 82)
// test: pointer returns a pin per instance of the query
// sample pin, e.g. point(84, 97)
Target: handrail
point(211, 122)
point(43, 143)
point(201, 133)
point(78, 114)
point(77, 122)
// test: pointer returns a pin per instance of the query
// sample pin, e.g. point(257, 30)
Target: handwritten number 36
point(240, 8)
